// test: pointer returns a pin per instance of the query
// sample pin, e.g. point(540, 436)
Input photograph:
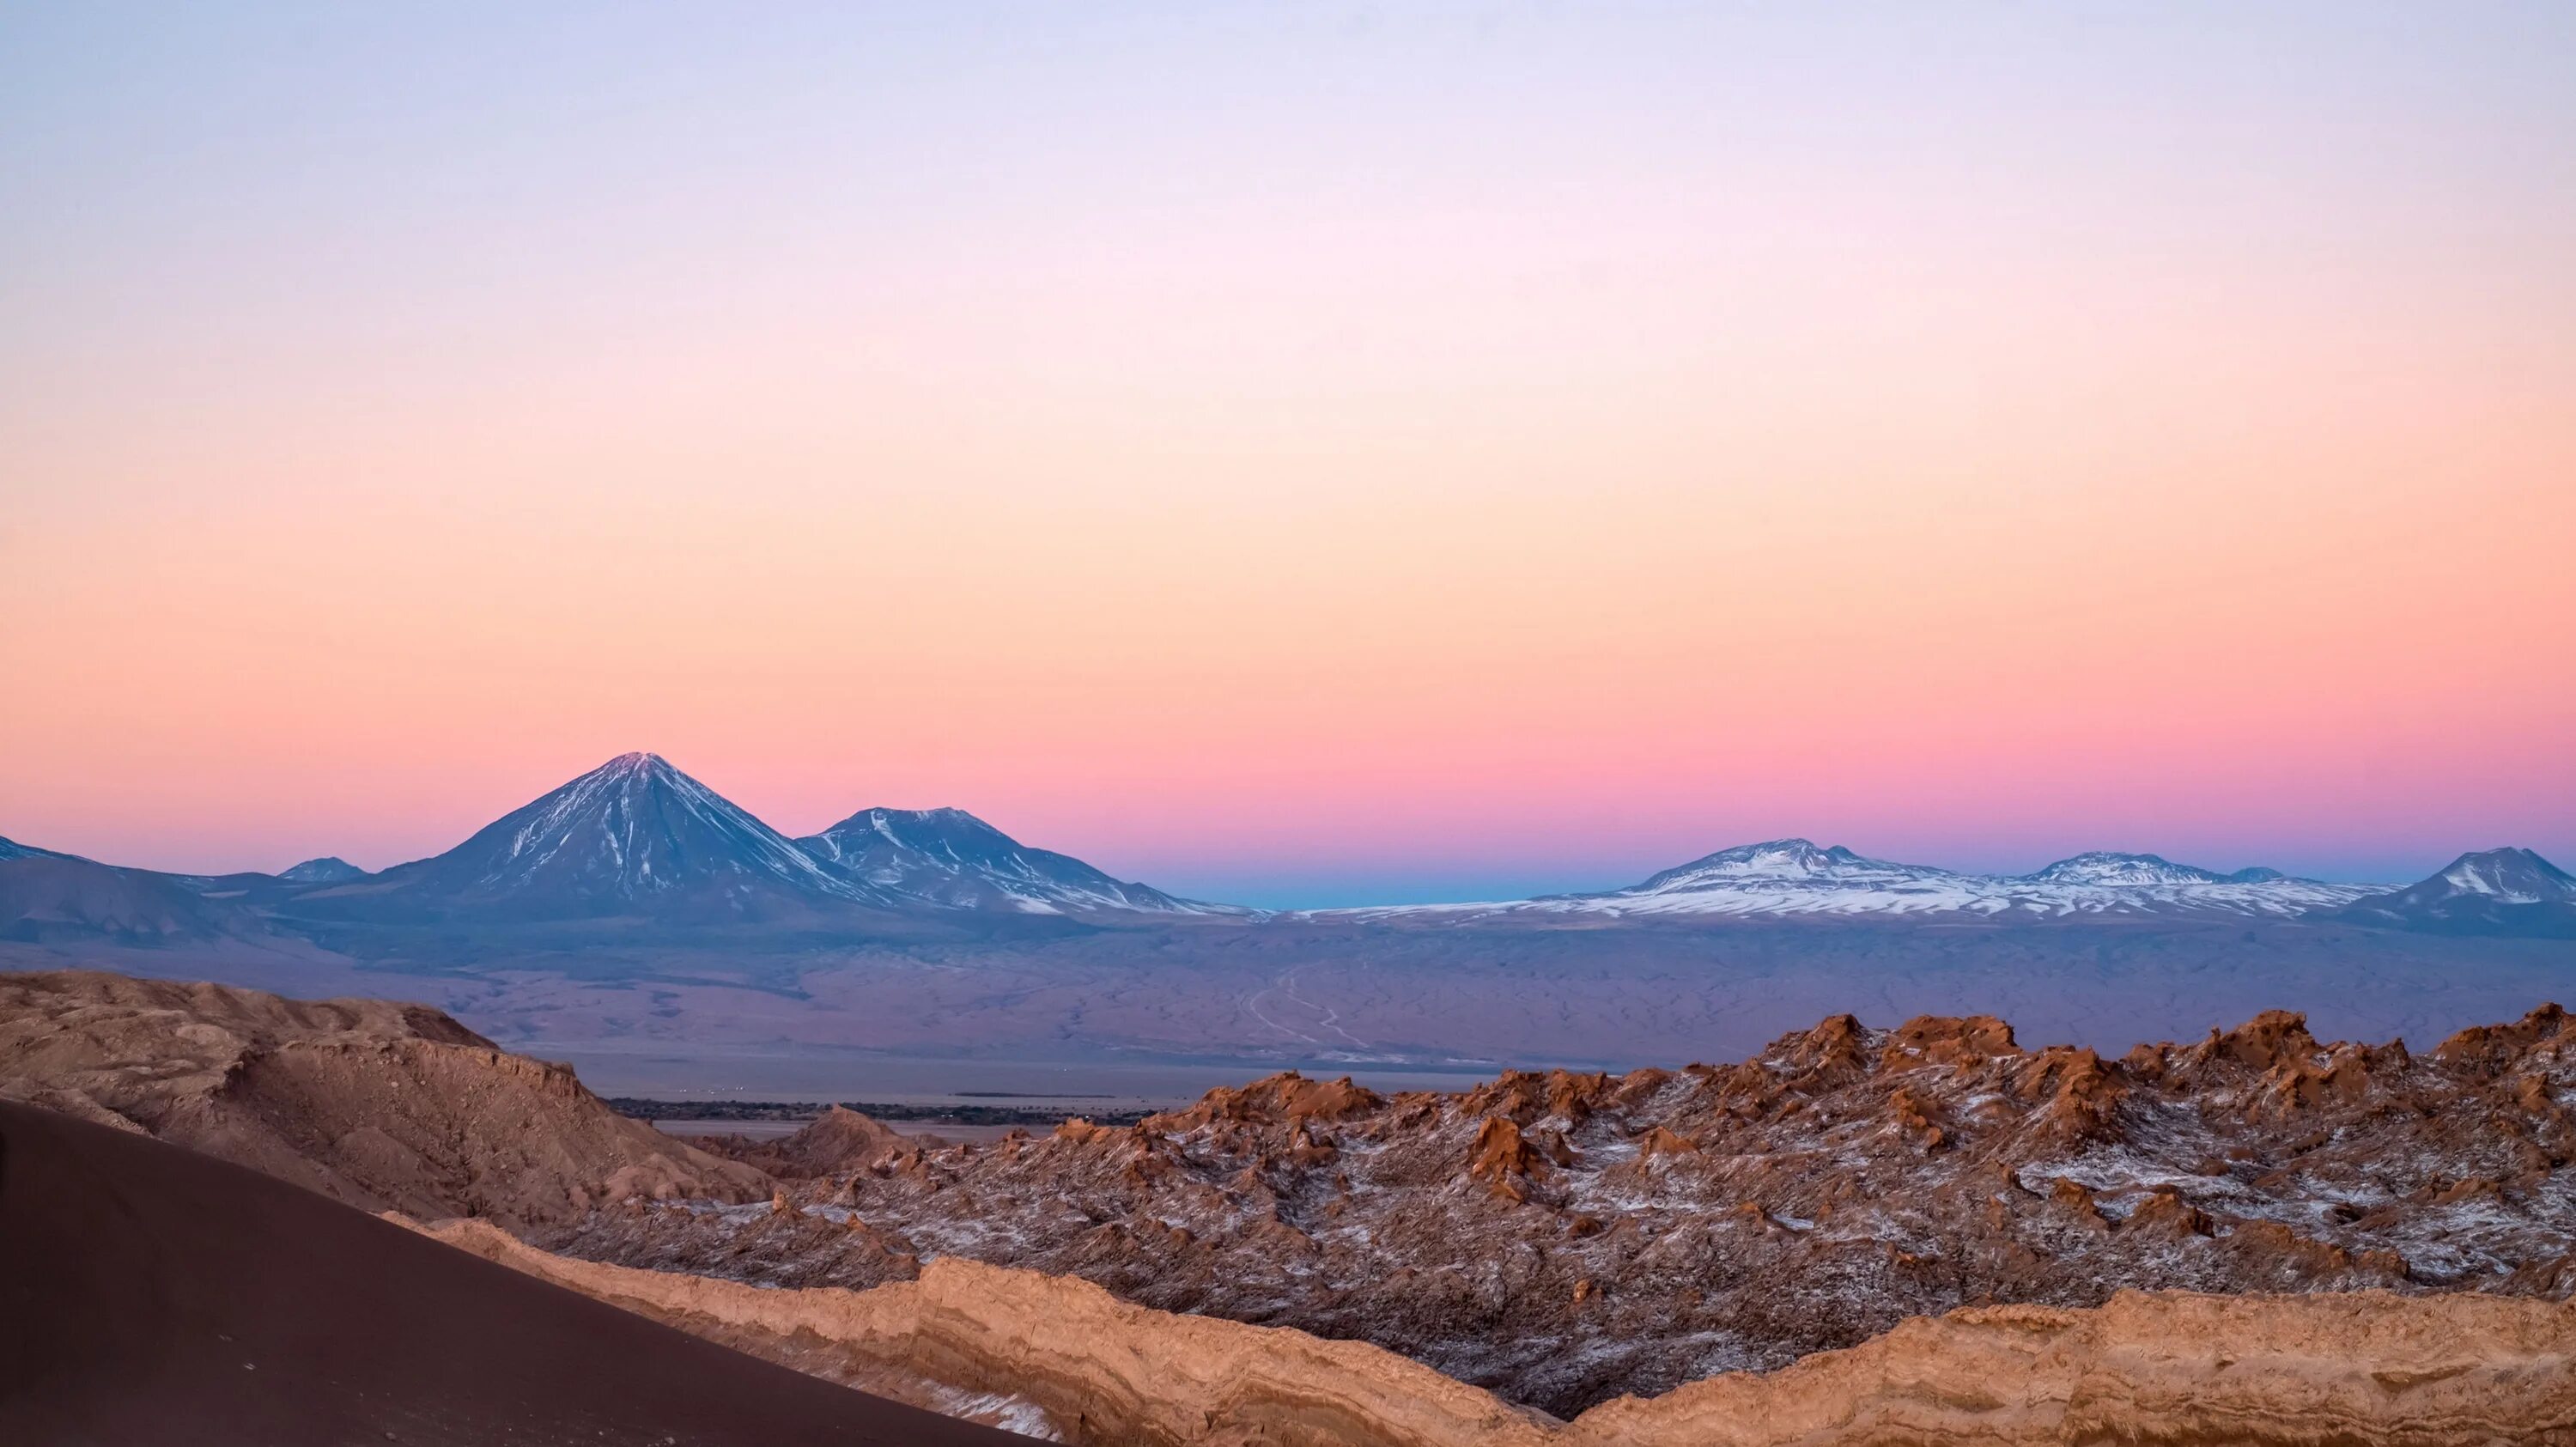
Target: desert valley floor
point(2255, 1236)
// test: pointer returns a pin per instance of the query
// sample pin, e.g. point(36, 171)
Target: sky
point(1300, 454)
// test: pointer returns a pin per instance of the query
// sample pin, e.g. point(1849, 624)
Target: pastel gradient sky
point(1304, 454)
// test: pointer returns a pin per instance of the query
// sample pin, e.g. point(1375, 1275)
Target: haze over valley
point(637, 922)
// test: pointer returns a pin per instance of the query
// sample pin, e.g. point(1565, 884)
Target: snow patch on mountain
point(2501, 891)
point(2107, 867)
point(1795, 877)
point(950, 858)
point(2509, 876)
point(638, 825)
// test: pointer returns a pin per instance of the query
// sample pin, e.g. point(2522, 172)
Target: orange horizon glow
point(1379, 504)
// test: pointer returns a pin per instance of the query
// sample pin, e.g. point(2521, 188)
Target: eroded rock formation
point(837, 1142)
point(1083, 1367)
point(378, 1104)
point(1921, 1234)
point(1568, 1238)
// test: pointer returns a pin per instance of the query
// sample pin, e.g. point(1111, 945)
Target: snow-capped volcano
point(1786, 877)
point(634, 835)
point(2108, 867)
point(1782, 860)
point(637, 838)
point(2492, 891)
point(2507, 876)
point(951, 858)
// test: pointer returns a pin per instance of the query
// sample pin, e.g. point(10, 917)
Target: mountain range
point(1795, 877)
point(637, 841)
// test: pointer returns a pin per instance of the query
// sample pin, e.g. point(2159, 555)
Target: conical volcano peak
point(2513, 875)
point(633, 831)
point(2487, 891)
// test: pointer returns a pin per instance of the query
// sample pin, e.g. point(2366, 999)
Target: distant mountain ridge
point(634, 839)
point(949, 857)
point(2107, 867)
point(638, 840)
point(1778, 860)
point(49, 897)
point(1797, 877)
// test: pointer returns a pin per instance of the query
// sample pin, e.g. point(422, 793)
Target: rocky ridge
point(1796, 878)
point(1925, 1234)
point(378, 1104)
point(1077, 1365)
point(1564, 1239)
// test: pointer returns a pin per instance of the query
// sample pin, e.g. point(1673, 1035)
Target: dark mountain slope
point(157, 1295)
point(12, 849)
point(48, 898)
point(330, 869)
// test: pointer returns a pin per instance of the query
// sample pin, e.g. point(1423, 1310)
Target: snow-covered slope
point(2108, 867)
point(2507, 876)
point(633, 836)
point(637, 838)
point(2493, 891)
point(1788, 877)
point(950, 858)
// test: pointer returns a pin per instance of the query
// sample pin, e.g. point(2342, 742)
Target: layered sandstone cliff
point(2351, 1369)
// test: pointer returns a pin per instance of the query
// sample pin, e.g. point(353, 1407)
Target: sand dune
point(150, 1294)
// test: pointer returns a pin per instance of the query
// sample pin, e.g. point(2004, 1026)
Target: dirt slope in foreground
point(378, 1104)
point(2350, 1369)
point(149, 1294)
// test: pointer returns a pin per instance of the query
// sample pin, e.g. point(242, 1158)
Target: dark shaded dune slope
point(149, 1294)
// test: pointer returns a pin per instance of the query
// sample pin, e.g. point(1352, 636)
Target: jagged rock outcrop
point(1565, 1238)
point(838, 1141)
point(378, 1104)
point(2355, 1369)
point(1549, 1242)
